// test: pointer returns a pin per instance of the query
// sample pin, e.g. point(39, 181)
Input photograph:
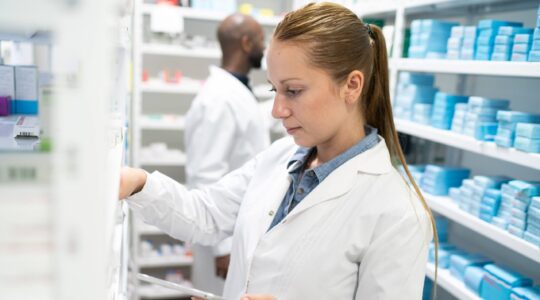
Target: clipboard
point(178, 287)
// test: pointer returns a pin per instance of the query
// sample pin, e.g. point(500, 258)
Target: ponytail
point(378, 113)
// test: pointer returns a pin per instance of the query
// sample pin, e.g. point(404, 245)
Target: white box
point(7, 81)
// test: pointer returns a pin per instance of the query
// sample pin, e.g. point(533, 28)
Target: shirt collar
point(322, 171)
point(242, 78)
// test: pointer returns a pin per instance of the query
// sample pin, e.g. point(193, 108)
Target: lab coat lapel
point(341, 180)
point(272, 197)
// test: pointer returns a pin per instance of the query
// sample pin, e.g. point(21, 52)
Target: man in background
point(225, 129)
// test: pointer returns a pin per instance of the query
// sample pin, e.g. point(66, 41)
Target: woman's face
point(309, 103)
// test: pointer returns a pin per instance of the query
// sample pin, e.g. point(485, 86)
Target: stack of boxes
point(528, 137)
point(481, 117)
point(522, 46)
point(437, 180)
point(18, 90)
point(429, 38)
point(489, 206)
point(462, 43)
point(534, 54)
point(516, 198)
point(532, 232)
point(499, 282)
point(504, 41)
point(508, 120)
point(480, 187)
point(443, 109)
point(455, 42)
point(413, 88)
point(458, 121)
point(488, 30)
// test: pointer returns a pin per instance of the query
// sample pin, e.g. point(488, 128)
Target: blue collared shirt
point(303, 182)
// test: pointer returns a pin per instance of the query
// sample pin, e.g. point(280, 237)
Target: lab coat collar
point(374, 161)
point(228, 79)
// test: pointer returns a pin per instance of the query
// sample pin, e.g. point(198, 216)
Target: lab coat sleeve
point(209, 144)
point(394, 265)
point(205, 216)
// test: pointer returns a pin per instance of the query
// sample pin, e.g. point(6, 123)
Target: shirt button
point(300, 191)
point(271, 213)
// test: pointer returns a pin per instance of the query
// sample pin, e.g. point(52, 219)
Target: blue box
point(528, 130)
point(470, 31)
point(498, 282)
point(473, 278)
point(497, 56)
point(527, 145)
point(454, 43)
point(531, 238)
point(459, 262)
point(517, 116)
point(513, 30)
point(525, 293)
point(475, 101)
point(513, 230)
point(521, 189)
point(519, 57)
point(507, 49)
point(457, 31)
point(468, 42)
point(487, 40)
point(536, 34)
point(416, 78)
point(523, 38)
point(521, 48)
point(503, 40)
point(534, 55)
point(495, 24)
point(535, 45)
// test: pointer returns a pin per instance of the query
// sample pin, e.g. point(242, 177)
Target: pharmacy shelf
point(153, 124)
point(155, 86)
point(155, 262)
point(172, 50)
point(205, 15)
point(148, 229)
point(163, 162)
point(450, 283)
point(158, 292)
point(446, 207)
point(460, 141)
point(422, 6)
point(469, 67)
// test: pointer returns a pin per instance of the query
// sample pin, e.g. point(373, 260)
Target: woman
point(325, 217)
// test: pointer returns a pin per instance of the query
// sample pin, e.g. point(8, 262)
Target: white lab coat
point(360, 234)
point(224, 129)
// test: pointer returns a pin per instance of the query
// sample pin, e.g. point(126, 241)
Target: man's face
point(257, 52)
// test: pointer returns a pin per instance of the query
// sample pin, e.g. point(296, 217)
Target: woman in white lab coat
point(324, 215)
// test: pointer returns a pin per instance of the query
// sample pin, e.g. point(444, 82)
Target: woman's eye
point(293, 92)
point(272, 89)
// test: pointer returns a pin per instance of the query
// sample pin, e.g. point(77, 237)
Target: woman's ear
point(353, 86)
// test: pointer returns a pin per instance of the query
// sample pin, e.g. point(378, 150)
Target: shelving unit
point(50, 250)
point(446, 207)
point(450, 283)
point(172, 261)
point(471, 67)
point(156, 292)
point(471, 76)
point(194, 62)
point(463, 142)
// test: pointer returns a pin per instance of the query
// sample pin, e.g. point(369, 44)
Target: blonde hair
point(336, 40)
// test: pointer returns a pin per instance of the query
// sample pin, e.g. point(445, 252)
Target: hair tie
point(370, 32)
